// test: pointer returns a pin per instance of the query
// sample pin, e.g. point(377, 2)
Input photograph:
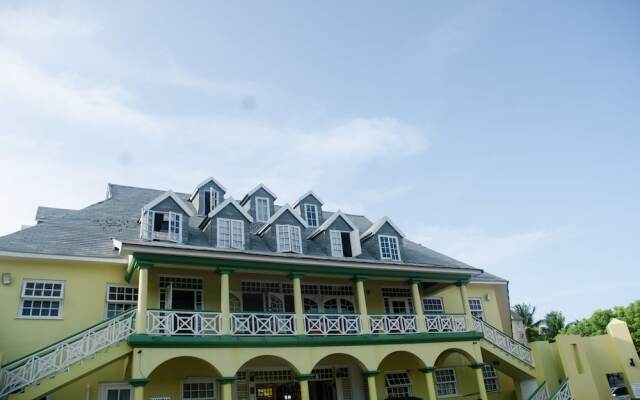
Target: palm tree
point(527, 312)
point(554, 322)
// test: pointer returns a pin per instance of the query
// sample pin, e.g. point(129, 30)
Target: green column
point(225, 387)
point(297, 302)
point(417, 304)
point(303, 380)
point(225, 317)
point(362, 303)
point(138, 387)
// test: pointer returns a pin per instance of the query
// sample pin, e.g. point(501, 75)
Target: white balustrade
point(443, 323)
point(541, 393)
point(263, 324)
point(502, 340)
point(183, 323)
point(332, 324)
point(563, 392)
point(59, 356)
point(392, 324)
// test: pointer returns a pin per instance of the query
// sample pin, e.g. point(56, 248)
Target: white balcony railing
point(541, 393)
point(183, 323)
point(332, 324)
point(563, 392)
point(263, 324)
point(392, 324)
point(502, 340)
point(61, 355)
point(443, 323)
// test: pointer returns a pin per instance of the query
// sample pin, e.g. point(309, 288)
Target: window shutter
point(237, 234)
point(175, 227)
point(146, 225)
point(296, 240)
point(356, 250)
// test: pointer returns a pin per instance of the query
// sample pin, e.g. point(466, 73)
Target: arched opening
point(184, 378)
point(400, 376)
point(453, 376)
point(266, 377)
point(337, 377)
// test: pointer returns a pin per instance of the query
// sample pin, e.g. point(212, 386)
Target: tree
point(527, 313)
point(554, 323)
point(597, 323)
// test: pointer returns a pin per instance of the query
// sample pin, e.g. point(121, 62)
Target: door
point(184, 323)
point(115, 391)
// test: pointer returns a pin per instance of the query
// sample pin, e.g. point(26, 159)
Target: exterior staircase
point(563, 392)
point(67, 359)
point(507, 354)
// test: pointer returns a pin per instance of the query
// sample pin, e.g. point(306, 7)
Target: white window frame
point(477, 313)
point(198, 381)
point(147, 228)
point(233, 225)
point(491, 381)
point(288, 234)
point(262, 218)
point(104, 387)
point(133, 303)
point(454, 381)
point(214, 199)
point(306, 208)
point(24, 297)
point(336, 247)
point(391, 239)
point(408, 386)
point(431, 312)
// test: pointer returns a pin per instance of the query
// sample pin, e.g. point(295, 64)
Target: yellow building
point(160, 295)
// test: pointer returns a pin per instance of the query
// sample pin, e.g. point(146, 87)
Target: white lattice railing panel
point(392, 324)
point(183, 323)
point(59, 356)
point(263, 324)
point(443, 323)
point(541, 393)
point(502, 340)
point(563, 392)
point(332, 324)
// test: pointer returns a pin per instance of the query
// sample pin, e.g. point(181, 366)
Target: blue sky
point(505, 134)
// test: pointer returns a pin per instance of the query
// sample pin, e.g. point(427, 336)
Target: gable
point(340, 225)
point(169, 201)
point(387, 229)
point(207, 183)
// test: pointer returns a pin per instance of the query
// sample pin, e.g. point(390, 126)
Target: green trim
point(305, 377)
point(144, 265)
point(226, 341)
point(137, 382)
point(298, 275)
point(461, 283)
point(411, 281)
point(427, 370)
point(225, 271)
point(360, 278)
point(185, 310)
point(476, 365)
point(370, 374)
point(288, 268)
point(226, 379)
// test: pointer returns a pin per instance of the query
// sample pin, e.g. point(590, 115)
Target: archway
point(183, 378)
point(337, 377)
point(454, 376)
point(267, 377)
point(400, 376)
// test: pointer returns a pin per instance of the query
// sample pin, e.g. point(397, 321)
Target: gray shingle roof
point(90, 231)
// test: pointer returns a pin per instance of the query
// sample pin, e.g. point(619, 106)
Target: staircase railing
point(60, 355)
point(563, 392)
point(541, 393)
point(500, 339)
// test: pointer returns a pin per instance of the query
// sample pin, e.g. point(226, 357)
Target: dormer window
point(211, 200)
point(311, 214)
point(262, 209)
point(340, 244)
point(230, 233)
point(289, 239)
point(389, 249)
point(161, 225)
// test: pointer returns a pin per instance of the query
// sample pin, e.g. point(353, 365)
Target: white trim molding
point(277, 215)
point(204, 182)
point(373, 229)
point(174, 197)
point(304, 196)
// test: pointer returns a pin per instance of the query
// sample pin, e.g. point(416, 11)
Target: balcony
point(208, 323)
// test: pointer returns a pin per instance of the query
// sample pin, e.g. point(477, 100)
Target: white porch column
point(303, 380)
point(417, 304)
point(465, 305)
point(431, 386)
point(371, 384)
point(480, 380)
point(143, 295)
point(225, 314)
point(297, 302)
point(226, 383)
point(362, 303)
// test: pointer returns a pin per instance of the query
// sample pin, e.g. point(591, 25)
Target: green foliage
point(554, 323)
point(531, 327)
point(597, 323)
